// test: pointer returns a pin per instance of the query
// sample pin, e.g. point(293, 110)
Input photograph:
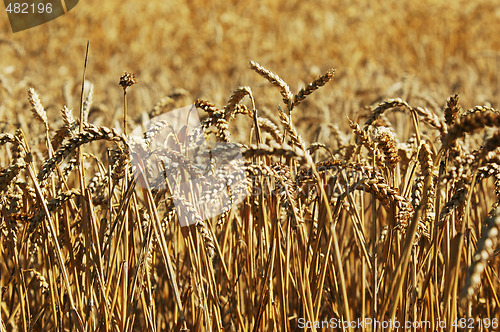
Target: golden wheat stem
point(58, 253)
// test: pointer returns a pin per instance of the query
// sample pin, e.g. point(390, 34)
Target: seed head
point(127, 79)
point(36, 106)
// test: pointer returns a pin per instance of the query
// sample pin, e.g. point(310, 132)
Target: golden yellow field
point(370, 174)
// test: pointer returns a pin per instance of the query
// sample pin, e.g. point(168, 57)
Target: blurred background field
point(422, 51)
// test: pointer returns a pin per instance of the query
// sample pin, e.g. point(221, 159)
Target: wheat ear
point(313, 86)
point(485, 248)
point(90, 134)
point(274, 80)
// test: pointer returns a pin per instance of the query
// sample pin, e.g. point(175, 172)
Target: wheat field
point(364, 194)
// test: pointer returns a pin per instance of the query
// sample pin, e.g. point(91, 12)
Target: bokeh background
point(422, 51)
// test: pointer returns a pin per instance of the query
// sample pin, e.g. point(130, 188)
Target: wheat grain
point(52, 206)
point(37, 108)
point(452, 110)
point(91, 133)
point(295, 138)
point(427, 116)
point(382, 107)
point(87, 103)
point(8, 175)
point(485, 248)
point(235, 99)
point(387, 143)
point(271, 128)
point(470, 123)
point(206, 106)
point(274, 80)
point(313, 86)
point(477, 109)
point(432, 119)
point(7, 138)
point(425, 159)
point(283, 150)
